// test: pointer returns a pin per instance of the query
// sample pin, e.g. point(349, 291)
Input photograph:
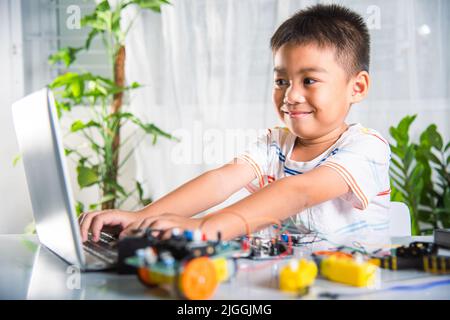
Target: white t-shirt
point(361, 156)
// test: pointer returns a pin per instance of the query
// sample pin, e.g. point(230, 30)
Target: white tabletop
point(28, 270)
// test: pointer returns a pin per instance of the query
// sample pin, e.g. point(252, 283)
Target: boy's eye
point(309, 81)
point(281, 82)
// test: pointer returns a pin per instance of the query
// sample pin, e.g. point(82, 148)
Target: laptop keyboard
point(105, 249)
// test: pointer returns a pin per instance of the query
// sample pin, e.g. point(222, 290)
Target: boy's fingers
point(167, 234)
point(85, 214)
point(146, 222)
point(97, 224)
point(81, 217)
point(167, 225)
point(128, 230)
point(159, 224)
point(140, 224)
point(86, 223)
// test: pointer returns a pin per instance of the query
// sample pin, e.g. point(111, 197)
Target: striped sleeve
point(257, 156)
point(364, 165)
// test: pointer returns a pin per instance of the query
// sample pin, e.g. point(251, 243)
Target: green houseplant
point(420, 176)
point(104, 97)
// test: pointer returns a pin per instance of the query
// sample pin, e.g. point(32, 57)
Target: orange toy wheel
point(336, 254)
point(198, 280)
point(144, 277)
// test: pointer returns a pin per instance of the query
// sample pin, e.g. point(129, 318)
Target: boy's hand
point(167, 222)
point(95, 221)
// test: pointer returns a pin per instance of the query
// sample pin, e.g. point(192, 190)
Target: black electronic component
point(442, 237)
point(416, 249)
point(127, 248)
point(418, 255)
point(183, 246)
point(268, 248)
point(436, 264)
point(399, 263)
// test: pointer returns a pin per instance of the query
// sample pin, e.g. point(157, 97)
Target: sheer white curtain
point(206, 64)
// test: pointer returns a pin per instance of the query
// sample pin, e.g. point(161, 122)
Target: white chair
point(400, 223)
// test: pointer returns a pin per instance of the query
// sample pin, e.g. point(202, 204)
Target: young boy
point(318, 173)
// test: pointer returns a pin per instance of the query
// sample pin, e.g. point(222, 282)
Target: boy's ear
point(360, 86)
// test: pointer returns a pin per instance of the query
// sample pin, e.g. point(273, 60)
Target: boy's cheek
point(277, 100)
point(329, 118)
point(277, 97)
point(279, 113)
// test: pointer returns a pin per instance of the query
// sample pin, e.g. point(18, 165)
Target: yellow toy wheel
point(198, 280)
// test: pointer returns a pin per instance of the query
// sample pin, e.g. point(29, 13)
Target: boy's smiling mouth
point(297, 114)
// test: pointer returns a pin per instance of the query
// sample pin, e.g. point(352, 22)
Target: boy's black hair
point(329, 26)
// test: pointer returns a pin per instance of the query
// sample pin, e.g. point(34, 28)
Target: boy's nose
point(290, 99)
point(294, 95)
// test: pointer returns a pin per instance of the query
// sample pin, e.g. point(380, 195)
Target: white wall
point(15, 204)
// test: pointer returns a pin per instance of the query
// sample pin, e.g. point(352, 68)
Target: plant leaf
point(114, 185)
point(93, 206)
point(68, 151)
point(30, 245)
point(79, 208)
point(396, 195)
point(64, 80)
point(66, 55)
point(144, 201)
point(397, 151)
point(78, 125)
point(62, 106)
point(135, 85)
point(90, 37)
point(409, 156)
point(30, 228)
point(403, 127)
point(154, 5)
point(447, 146)
point(400, 133)
point(397, 174)
point(16, 159)
point(397, 164)
point(87, 176)
point(434, 137)
point(107, 197)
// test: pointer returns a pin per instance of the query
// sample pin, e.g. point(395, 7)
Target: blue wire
point(423, 286)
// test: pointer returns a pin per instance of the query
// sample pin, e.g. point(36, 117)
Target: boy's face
point(312, 92)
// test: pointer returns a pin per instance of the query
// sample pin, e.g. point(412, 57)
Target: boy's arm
point(195, 196)
point(272, 204)
point(276, 202)
point(206, 191)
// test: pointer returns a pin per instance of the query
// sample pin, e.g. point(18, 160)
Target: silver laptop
point(38, 133)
